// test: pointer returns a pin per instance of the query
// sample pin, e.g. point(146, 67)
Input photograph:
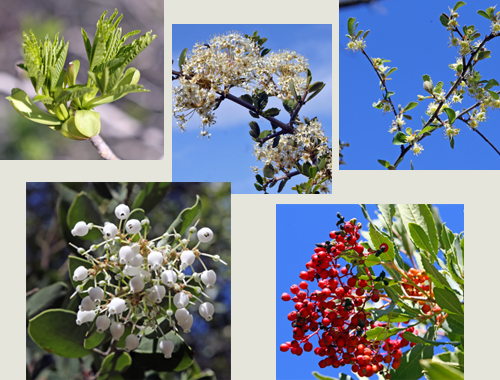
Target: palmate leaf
point(73, 92)
point(115, 94)
point(59, 64)
point(24, 105)
point(132, 50)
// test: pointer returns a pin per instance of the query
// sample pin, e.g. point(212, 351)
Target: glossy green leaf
point(484, 14)
point(276, 141)
point(119, 92)
point(182, 222)
point(420, 238)
point(151, 194)
point(45, 298)
point(317, 91)
point(85, 209)
point(56, 332)
point(384, 163)
point(24, 105)
point(264, 134)
point(182, 58)
point(289, 105)
point(319, 376)
point(260, 101)
point(458, 5)
point(94, 339)
point(399, 138)
point(271, 112)
point(292, 89)
point(448, 301)
point(282, 185)
point(113, 365)
point(418, 339)
point(246, 98)
point(410, 106)
point(493, 94)
point(439, 371)
point(444, 19)
point(448, 237)
point(350, 24)
point(451, 115)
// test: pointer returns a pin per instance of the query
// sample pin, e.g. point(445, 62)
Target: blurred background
point(47, 252)
point(132, 126)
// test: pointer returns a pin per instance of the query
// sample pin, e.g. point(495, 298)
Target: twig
point(485, 139)
point(32, 291)
point(102, 148)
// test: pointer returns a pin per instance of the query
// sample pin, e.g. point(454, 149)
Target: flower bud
point(109, 231)
point(133, 226)
point(87, 304)
point(169, 278)
point(209, 277)
point(136, 284)
point(96, 294)
point(206, 310)
point(131, 271)
point(181, 300)
point(117, 330)
point(186, 325)
point(137, 260)
point(205, 235)
point(80, 229)
point(155, 259)
point(187, 258)
point(167, 347)
point(181, 315)
point(80, 273)
point(131, 342)
point(126, 254)
point(116, 306)
point(122, 211)
point(102, 323)
point(84, 316)
point(157, 292)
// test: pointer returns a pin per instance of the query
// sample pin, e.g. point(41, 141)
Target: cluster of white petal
point(307, 144)
point(140, 282)
point(229, 61)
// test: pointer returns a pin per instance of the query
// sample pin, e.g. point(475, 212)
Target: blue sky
point(295, 242)
point(227, 156)
point(410, 35)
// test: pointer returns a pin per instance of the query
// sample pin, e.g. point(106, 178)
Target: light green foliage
point(68, 104)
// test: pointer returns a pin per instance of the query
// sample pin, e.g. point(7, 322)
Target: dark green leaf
point(260, 101)
point(246, 98)
point(282, 185)
point(316, 92)
point(448, 301)
point(85, 209)
point(151, 194)
point(312, 171)
point(410, 369)
point(269, 171)
point(94, 339)
point(264, 134)
point(276, 141)
point(483, 55)
point(384, 163)
point(439, 371)
point(493, 94)
point(437, 278)
point(458, 5)
point(254, 115)
point(350, 24)
point(271, 112)
point(289, 105)
point(418, 339)
point(265, 52)
point(444, 19)
point(292, 89)
point(258, 187)
point(420, 238)
point(45, 298)
point(399, 138)
point(316, 86)
point(113, 365)
point(259, 179)
point(55, 331)
point(484, 14)
point(182, 222)
point(378, 239)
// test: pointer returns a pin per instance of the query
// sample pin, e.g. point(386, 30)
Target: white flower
point(136, 284)
point(126, 254)
point(181, 300)
point(205, 235)
point(80, 273)
point(117, 330)
point(116, 306)
point(80, 229)
point(155, 259)
point(109, 230)
point(84, 316)
point(96, 294)
point(206, 310)
point(87, 304)
point(187, 259)
point(133, 226)
point(122, 211)
point(209, 277)
point(169, 278)
point(167, 347)
point(181, 315)
point(131, 342)
point(102, 323)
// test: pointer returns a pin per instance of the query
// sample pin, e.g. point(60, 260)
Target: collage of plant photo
point(233, 202)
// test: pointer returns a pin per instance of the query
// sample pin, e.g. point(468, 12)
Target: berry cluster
point(337, 313)
point(422, 290)
point(144, 277)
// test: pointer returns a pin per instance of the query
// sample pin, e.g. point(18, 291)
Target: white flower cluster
point(228, 61)
point(308, 142)
point(143, 282)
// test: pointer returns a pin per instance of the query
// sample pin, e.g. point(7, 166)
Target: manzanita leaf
point(151, 194)
point(56, 331)
point(45, 298)
point(113, 365)
point(24, 105)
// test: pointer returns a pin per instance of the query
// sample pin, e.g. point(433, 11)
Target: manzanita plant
point(134, 292)
point(235, 61)
point(70, 105)
point(471, 49)
point(361, 305)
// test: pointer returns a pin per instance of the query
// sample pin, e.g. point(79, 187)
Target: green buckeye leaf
point(85, 209)
point(119, 92)
point(318, 376)
point(88, 123)
point(148, 355)
point(25, 106)
point(410, 106)
point(151, 194)
point(182, 58)
point(418, 339)
point(45, 99)
point(45, 298)
point(182, 222)
point(451, 115)
point(75, 92)
point(113, 365)
point(439, 371)
point(269, 171)
point(448, 301)
point(72, 72)
point(399, 139)
point(56, 332)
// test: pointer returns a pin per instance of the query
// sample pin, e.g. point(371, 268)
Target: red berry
point(294, 289)
point(325, 322)
point(362, 283)
point(340, 292)
point(284, 347)
point(303, 285)
point(352, 282)
point(426, 308)
point(359, 249)
point(285, 297)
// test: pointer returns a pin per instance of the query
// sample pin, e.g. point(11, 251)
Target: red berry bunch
point(422, 280)
point(336, 313)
